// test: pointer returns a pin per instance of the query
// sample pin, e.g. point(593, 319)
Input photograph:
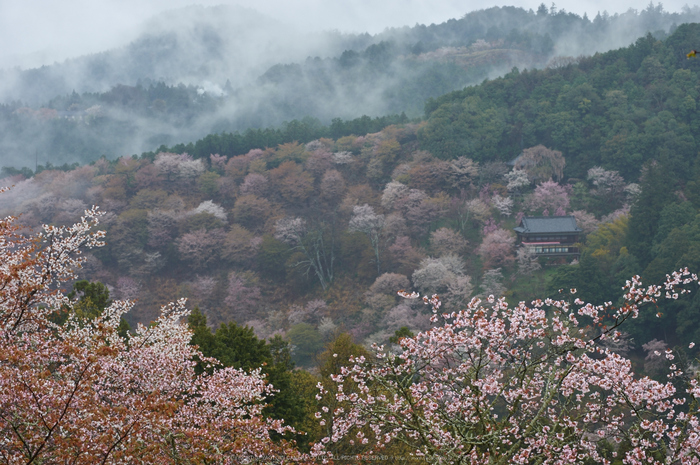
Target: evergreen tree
point(657, 186)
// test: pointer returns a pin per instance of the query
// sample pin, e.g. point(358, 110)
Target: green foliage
point(657, 191)
point(202, 220)
point(337, 355)
point(673, 215)
point(207, 183)
point(273, 257)
point(201, 334)
point(8, 171)
point(604, 265)
point(401, 333)
point(679, 249)
point(148, 199)
point(617, 109)
point(331, 361)
point(471, 127)
point(94, 297)
point(304, 385)
point(307, 343)
point(237, 346)
point(93, 300)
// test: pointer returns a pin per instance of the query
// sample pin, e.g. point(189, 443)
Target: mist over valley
point(200, 70)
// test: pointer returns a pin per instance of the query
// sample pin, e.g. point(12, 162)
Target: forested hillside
point(632, 111)
point(301, 245)
point(617, 109)
point(306, 238)
point(199, 71)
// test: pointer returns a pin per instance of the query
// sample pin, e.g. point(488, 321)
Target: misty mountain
point(209, 46)
point(193, 45)
point(198, 70)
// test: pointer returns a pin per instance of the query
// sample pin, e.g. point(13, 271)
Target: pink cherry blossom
point(495, 383)
point(80, 393)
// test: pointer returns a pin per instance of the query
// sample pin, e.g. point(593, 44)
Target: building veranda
point(550, 236)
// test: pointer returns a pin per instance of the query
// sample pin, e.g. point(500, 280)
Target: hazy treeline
point(199, 71)
point(67, 144)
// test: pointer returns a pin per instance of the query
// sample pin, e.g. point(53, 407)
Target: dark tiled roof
point(548, 224)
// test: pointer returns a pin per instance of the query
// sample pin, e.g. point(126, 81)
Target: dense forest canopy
point(197, 71)
point(618, 109)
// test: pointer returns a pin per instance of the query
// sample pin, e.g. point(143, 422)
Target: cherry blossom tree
point(632, 190)
point(432, 175)
point(463, 172)
point(404, 255)
point(128, 288)
point(527, 261)
point(541, 163)
point(332, 186)
point(70, 210)
point(420, 210)
point(614, 216)
point(394, 225)
point(655, 362)
point(240, 246)
point(201, 248)
point(251, 211)
point(148, 176)
point(516, 179)
point(292, 183)
point(290, 230)
point(381, 295)
point(204, 286)
point(497, 248)
point(435, 274)
point(492, 283)
point(237, 167)
point(81, 393)
point(388, 283)
point(210, 207)
point(405, 315)
point(469, 211)
point(312, 312)
point(218, 162)
point(254, 184)
point(550, 196)
point(609, 185)
point(446, 276)
point(504, 205)
point(162, 227)
point(342, 158)
point(178, 166)
point(445, 241)
point(189, 169)
point(319, 161)
point(393, 193)
point(497, 384)
point(586, 221)
point(489, 227)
